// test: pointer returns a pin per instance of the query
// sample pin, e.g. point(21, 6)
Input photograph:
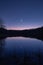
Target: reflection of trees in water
point(2, 44)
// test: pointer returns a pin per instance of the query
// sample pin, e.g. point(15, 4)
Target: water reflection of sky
point(20, 48)
point(20, 44)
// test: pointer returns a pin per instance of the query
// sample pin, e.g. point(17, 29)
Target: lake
point(21, 51)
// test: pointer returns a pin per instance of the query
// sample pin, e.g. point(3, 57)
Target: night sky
point(21, 14)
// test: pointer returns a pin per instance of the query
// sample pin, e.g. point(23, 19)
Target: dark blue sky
point(20, 14)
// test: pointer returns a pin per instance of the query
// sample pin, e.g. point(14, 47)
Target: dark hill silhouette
point(32, 33)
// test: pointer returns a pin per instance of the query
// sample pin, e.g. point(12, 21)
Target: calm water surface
point(21, 51)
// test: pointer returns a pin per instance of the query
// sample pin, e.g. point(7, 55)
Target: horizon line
point(23, 28)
